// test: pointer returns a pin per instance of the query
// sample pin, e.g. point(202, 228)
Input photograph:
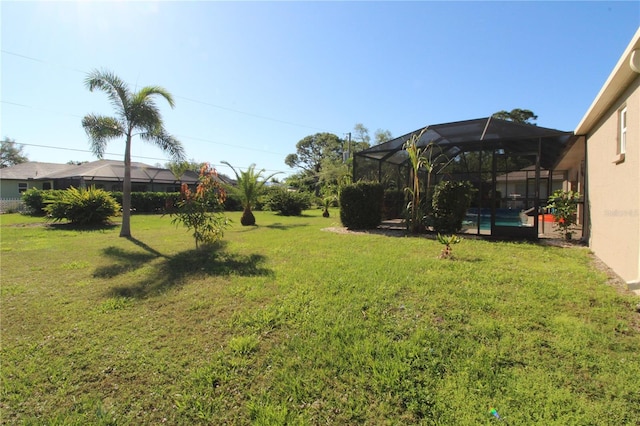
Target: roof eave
point(619, 79)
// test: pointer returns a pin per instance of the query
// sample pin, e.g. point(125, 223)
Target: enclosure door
point(515, 208)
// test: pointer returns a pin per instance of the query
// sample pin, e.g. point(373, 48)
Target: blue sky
point(253, 78)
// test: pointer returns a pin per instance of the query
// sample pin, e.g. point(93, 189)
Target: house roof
point(101, 170)
point(625, 71)
point(473, 135)
point(31, 170)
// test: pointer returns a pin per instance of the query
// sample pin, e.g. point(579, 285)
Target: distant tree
point(313, 152)
point(11, 153)
point(178, 168)
point(381, 136)
point(361, 134)
point(517, 115)
point(76, 163)
point(136, 115)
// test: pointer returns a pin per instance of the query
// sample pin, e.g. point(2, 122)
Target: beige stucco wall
point(614, 189)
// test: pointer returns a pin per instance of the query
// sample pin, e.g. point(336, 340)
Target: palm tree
point(136, 115)
point(249, 187)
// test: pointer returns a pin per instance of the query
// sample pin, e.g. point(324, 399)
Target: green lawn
point(284, 323)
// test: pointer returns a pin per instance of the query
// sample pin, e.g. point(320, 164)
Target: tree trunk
point(247, 219)
point(125, 230)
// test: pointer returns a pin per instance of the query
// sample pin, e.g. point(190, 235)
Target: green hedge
point(288, 203)
point(361, 205)
point(450, 203)
point(150, 202)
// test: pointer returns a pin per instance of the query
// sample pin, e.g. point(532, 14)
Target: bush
point(450, 203)
point(288, 203)
point(394, 204)
point(361, 205)
point(34, 199)
point(232, 203)
point(150, 202)
point(81, 206)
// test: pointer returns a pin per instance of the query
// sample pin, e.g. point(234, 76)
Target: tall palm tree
point(136, 115)
point(249, 188)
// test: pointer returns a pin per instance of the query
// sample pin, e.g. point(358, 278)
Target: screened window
point(22, 187)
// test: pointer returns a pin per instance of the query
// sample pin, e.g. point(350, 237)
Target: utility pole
point(346, 155)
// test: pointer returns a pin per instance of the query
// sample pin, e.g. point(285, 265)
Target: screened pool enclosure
point(509, 164)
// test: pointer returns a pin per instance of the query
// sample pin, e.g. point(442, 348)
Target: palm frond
point(100, 130)
point(166, 142)
point(146, 94)
point(115, 88)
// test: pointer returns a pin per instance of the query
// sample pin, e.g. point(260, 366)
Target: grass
point(284, 323)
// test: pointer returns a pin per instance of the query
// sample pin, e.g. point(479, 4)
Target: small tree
point(200, 211)
point(419, 159)
point(564, 207)
point(249, 187)
point(448, 241)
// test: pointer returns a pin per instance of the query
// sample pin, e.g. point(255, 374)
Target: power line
point(119, 155)
point(180, 136)
point(250, 114)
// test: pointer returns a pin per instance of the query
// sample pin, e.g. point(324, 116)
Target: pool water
point(504, 217)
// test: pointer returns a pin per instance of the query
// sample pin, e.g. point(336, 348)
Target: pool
point(504, 217)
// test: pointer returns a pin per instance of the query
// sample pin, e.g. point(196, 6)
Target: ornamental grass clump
point(201, 210)
point(81, 206)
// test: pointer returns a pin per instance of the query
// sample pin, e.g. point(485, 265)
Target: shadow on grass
point(57, 226)
point(175, 271)
point(283, 227)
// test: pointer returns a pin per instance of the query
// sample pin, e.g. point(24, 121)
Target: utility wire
point(179, 136)
point(120, 155)
point(250, 114)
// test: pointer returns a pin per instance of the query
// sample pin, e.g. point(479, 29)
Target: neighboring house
point(518, 185)
point(15, 180)
point(604, 165)
point(104, 174)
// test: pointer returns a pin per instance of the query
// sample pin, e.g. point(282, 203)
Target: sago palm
point(249, 187)
point(136, 114)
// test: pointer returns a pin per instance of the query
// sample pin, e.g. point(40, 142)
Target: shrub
point(34, 200)
point(393, 205)
point(81, 206)
point(564, 207)
point(361, 205)
point(288, 203)
point(450, 203)
point(149, 202)
point(232, 203)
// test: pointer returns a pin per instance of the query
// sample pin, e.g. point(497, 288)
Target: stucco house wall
point(609, 180)
point(614, 187)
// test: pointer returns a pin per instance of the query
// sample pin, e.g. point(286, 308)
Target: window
point(22, 187)
point(622, 142)
point(46, 186)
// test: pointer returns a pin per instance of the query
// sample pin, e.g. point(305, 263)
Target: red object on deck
point(546, 217)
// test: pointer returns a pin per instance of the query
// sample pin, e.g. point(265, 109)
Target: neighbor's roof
point(101, 170)
point(31, 170)
point(619, 79)
point(473, 135)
